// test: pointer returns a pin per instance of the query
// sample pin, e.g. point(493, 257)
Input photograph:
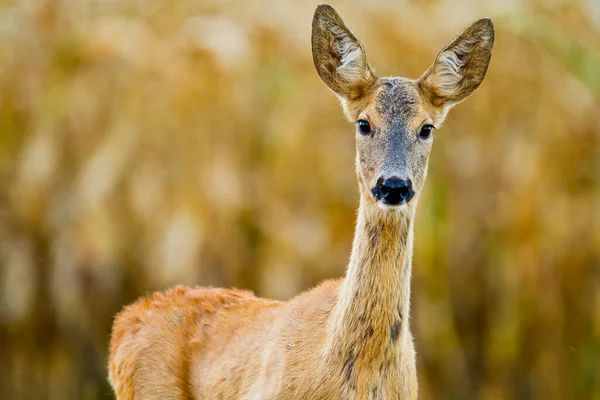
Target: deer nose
point(394, 191)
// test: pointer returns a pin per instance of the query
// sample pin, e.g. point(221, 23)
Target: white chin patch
point(392, 207)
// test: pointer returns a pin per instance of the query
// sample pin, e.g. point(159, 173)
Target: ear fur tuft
point(461, 66)
point(339, 57)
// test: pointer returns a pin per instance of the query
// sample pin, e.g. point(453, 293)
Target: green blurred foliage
point(149, 143)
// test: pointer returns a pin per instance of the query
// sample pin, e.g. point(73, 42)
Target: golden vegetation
point(149, 143)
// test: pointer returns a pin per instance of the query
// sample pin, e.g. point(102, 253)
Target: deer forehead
point(394, 101)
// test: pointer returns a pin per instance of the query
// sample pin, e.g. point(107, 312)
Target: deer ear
point(460, 67)
point(339, 57)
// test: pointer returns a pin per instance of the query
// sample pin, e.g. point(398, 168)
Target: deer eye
point(364, 127)
point(425, 132)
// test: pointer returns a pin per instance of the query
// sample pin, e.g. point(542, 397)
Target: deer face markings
point(392, 159)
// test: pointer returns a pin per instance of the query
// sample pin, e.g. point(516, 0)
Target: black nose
point(394, 191)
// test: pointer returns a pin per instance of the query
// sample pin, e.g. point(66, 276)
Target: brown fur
point(335, 43)
point(347, 338)
point(461, 66)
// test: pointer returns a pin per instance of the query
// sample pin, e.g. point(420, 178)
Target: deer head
point(395, 116)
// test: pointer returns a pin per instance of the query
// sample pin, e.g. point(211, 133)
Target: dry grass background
point(149, 143)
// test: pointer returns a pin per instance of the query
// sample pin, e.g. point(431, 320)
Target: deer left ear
point(461, 66)
point(339, 56)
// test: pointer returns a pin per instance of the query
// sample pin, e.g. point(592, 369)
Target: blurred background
point(150, 143)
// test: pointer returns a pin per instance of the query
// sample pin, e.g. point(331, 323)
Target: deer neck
point(370, 318)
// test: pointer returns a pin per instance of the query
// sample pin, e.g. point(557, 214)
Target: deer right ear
point(461, 66)
point(339, 57)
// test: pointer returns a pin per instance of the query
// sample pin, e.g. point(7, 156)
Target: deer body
point(344, 339)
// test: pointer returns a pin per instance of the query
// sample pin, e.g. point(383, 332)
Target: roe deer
point(346, 338)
